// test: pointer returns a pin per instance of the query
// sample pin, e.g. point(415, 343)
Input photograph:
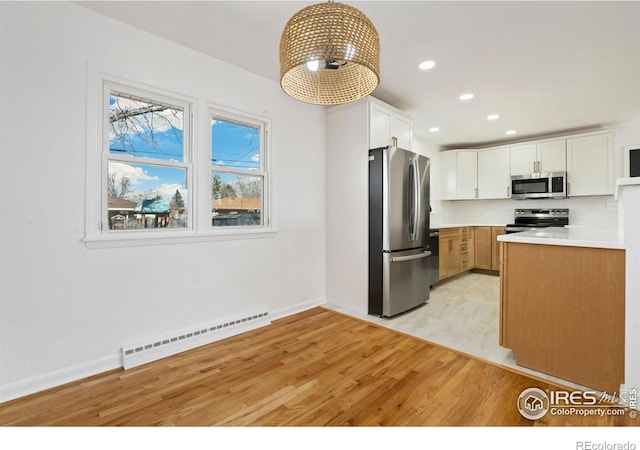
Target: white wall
point(65, 310)
point(347, 195)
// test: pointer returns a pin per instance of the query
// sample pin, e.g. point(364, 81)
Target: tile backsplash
point(601, 211)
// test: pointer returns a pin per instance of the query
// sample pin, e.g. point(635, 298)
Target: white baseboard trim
point(59, 377)
point(298, 307)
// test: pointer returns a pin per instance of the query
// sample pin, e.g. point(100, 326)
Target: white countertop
point(569, 236)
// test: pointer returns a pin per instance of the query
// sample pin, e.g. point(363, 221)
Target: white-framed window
point(147, 161)
point(151, 177)
point(239, 170)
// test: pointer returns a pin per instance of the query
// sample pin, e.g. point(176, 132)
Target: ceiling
point(545, 67)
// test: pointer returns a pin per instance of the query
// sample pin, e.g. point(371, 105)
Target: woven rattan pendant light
point(329, 54)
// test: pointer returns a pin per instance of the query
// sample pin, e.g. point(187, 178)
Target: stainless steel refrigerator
point(398, 231)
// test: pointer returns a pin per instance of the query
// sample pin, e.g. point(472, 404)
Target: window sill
point(135, 239)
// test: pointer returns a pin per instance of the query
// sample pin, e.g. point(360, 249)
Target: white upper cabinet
point(403, 130)
point(494, 176)
point(472, 174)
point(467, 174)
point(549, 156)
point(523, 159)
point(380, 126)
point(590, 169)
point(552, 156)
point(458, 174)
point(486, 173)
point(385, 124)
point(448, 175)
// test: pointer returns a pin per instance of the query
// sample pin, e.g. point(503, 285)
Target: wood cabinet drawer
point(465, 262)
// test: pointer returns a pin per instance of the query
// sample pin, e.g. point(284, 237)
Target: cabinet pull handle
point(508, 191)
point(534, 166)
point(476, 192)
point(394, 141)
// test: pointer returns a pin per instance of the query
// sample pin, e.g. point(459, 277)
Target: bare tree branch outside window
point(136, 124)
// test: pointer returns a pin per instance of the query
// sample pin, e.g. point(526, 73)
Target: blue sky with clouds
point(233, 146)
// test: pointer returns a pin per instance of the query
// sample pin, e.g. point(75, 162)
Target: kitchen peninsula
point(562, 303)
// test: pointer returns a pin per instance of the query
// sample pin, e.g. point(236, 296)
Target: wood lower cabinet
point(450, 240)
point(495, 247)
point(466, 248)
point(562, 311)
point(483, 255)
point(487, 247)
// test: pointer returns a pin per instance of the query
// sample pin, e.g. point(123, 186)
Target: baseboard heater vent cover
point(180, 341)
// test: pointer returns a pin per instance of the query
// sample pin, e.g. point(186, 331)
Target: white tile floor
point(462, 314)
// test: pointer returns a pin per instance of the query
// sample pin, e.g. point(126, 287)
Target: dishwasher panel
point(434, 261)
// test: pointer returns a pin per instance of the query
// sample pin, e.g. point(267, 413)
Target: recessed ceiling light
point(467, 96)
point(426, 65)
point(434, 129)
point(510, 132)
point(493, 117)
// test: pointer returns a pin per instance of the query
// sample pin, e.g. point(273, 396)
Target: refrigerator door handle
point(410, 257)
point(415, 208)
point(411, 202)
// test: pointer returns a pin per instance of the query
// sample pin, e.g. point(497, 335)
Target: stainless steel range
point(534, 219)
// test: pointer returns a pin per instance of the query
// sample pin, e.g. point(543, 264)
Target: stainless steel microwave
point(539, 185)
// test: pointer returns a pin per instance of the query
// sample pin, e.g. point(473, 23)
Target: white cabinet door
point(590, 168)
point(448, 175)
point(467, 174)
point(494, 174)
point(380, 125)
point(386, 124)
point(402, 130)
point(523, 158)
point(548, 156)
point(552, 156)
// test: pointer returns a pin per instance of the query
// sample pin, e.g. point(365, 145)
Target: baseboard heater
point(157, 348)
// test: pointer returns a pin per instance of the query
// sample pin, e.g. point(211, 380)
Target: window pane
point(235, 145)
point(145, 128)
point(236, 200)
point(145, 196)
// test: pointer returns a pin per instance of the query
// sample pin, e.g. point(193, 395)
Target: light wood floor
point(315, 368)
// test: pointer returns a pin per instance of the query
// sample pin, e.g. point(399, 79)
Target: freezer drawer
point(405, 280)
